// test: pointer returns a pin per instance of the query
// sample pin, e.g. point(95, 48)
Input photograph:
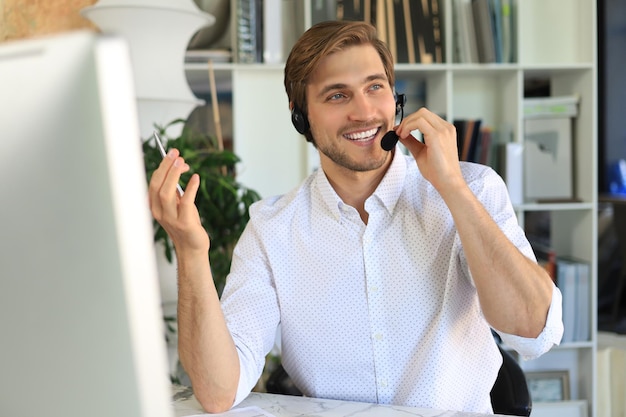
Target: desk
point(289, 406)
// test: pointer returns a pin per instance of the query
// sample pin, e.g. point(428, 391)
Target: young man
point(385, 272)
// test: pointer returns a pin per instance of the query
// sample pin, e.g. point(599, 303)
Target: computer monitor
point(81, 329)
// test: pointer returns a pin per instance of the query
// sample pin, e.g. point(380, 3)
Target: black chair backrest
point(510, 394)
point(279, 382)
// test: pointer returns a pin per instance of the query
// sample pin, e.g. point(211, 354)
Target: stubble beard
point(341, 158)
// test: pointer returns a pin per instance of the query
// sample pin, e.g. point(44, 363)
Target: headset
point(301, 122)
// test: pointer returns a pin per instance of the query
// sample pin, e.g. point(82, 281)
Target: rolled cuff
point(532, 348)
point(248, 377)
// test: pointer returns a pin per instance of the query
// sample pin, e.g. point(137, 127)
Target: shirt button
point(378, 336)
point(384, 383)
point(373, 288)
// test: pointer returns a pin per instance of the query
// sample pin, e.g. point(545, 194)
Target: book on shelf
point(390, 24)
point(250, 31)
point(267, 29)
point(415, 33)
point(495, 12)
point(379, 18)
point(403, 34)
point(432, 28)
point(464, 32)
point(417, 26)
point(272, 32)
point(475, 141)
point(350, 9)
point(323, 10)
point(483, 31)
point(413, 29)
point(470, 131)
point(484, 147)
point(573, 279)
point(507, 37)
point(572, 276)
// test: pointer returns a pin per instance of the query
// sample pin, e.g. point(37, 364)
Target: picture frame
point(548, 386)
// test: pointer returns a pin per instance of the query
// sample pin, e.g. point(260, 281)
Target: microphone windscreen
point(389, 140)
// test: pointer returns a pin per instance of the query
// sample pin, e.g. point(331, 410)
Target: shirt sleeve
point(531, 348)
point(250, 307)
point(248, 376)
point(492, 192)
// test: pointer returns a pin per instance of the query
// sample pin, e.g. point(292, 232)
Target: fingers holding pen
point(163, 193)
point(178, 214)
point(172, 179)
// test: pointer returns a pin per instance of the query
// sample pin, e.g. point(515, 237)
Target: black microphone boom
point(390, 138)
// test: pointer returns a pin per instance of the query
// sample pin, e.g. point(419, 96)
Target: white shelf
point(555, 206)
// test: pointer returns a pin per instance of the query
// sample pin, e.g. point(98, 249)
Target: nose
point(362, 108)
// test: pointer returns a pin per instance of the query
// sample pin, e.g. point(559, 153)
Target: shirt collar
point(389, 190)
point(387, 193)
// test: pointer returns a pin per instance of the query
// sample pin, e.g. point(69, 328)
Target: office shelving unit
point(554, 41)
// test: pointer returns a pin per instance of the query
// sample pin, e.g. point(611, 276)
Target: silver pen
point(163, 154)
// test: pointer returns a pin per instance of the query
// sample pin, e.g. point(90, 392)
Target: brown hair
point(318, 42)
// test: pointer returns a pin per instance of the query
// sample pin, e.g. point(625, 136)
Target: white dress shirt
point(385, 312)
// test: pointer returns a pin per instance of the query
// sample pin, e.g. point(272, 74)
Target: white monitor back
point(82, 330)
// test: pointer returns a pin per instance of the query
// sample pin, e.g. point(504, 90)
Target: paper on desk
point(252, 411)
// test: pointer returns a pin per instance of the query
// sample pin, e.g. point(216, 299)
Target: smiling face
point(350, 107)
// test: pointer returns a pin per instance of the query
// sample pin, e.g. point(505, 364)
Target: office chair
point(509, 395)
point(279, 382)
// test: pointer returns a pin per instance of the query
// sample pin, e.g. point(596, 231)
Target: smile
point(362, 136)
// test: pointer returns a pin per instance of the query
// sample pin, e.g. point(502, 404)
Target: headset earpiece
point(299, 120)
point(400, 102)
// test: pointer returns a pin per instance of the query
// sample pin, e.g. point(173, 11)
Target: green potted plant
point(222, 202)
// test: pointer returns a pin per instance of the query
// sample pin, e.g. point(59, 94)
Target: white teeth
point(362, 135)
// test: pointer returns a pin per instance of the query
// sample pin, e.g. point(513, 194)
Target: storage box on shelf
point(552, 41)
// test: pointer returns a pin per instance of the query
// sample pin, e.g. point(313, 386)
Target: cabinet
point(554, 41)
